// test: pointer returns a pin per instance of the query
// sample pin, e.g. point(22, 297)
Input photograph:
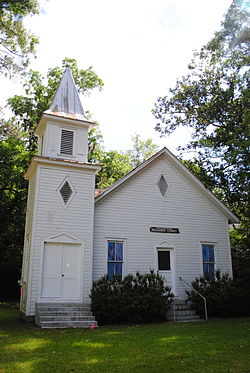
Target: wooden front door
point(61, 271)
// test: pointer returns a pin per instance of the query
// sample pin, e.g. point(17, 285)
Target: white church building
point(158, 216)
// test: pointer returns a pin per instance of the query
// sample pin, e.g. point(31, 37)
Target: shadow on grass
point(216, 346)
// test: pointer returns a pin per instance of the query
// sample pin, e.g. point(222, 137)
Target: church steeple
point(66, 102)
point(63, 128)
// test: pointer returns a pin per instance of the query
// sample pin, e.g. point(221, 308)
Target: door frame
point(61, 238)
point(167, 246)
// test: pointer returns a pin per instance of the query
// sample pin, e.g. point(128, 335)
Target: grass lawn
point(214, 346)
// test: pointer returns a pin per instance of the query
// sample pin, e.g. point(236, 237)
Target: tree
point(200, 172)
point(115, 165)
point(141, 150)
point(95, 145)
point(213, 99)
point(14, 161)
point(16, 43)
point(234, 36)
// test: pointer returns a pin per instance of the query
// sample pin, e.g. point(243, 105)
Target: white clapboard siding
point(27, 241)
point(52, 218)
point(52, 141)
point(131, 209)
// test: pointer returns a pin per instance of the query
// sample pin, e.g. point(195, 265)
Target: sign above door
point(164, 230)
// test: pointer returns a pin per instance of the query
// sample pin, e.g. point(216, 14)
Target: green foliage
point(225, 297)
point(141, 150)
point(13, 188)
point(219, 293)
point(197, 169)
point(95, 145)
point(240, 243)
point(135, 299)
point(115, 165)
point(234, 36)
point(16, 43)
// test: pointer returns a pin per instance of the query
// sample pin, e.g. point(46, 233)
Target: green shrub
point(241, 282)
point(139, 298)
point(221, 295)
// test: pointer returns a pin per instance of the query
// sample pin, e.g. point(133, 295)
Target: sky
point(139, 48)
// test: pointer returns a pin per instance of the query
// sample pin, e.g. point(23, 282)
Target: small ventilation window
point(66, 192)
point(162, 185)
point(67, 139)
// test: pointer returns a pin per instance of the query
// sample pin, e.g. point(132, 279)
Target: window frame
point(119, 240)
point(166, 194)
point(170, 260)
point(208, 262)
point(62, 195)
point(63, 204)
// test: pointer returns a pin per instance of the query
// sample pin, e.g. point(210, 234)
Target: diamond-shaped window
point(66, 192)
point(162, 185)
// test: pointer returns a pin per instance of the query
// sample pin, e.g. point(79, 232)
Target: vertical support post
point(174, 311)
point(205, 306)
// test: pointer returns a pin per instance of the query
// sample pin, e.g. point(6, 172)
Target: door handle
point(62, 275)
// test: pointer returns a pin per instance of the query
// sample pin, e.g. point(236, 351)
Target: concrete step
point(182, 312)
point(64, 309)
point(68, 317)
point(65, 313)
point(62, 304)
point(182, 306)
point(67, 324)
point(184, 318)
point(180, 301)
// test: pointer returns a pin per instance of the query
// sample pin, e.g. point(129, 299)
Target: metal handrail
point(204, 299)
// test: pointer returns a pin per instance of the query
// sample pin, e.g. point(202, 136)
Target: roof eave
point(226, 212)
point(60, 163)
point(66, 119)
point(128, 175)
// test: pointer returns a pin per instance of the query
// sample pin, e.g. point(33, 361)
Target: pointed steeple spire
point(66, 102)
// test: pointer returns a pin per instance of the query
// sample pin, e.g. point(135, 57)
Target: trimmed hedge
point(139, 298)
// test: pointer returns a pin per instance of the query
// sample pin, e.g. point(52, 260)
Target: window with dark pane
point(67, 140)
point(162, 185)
point(115, 258)
point(208, 261)
point(66, 192)
point(164, 260)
